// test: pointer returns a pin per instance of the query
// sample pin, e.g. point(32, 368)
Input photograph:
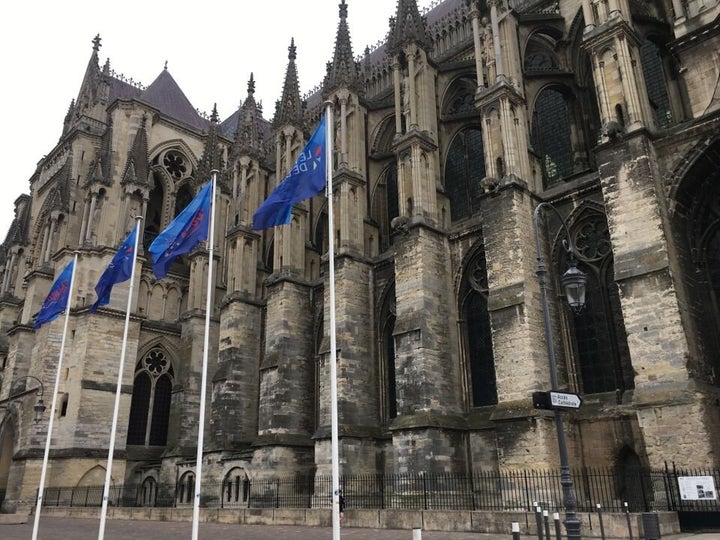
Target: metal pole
point(538, 522)
point(558, 533)
point(203, 378)
point(546, 520)
point(572, 523)
point(334, 434)
point(629, 523)
point(118, 389)
point(46, 454)
point(515, 530)
point(600, 519)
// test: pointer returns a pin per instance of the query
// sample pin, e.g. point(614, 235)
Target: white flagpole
point(333, 346)
point(118, 390)
point(206, 346)
point(41, 489)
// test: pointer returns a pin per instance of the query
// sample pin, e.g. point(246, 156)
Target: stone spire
point(91, 91)
point(212, 154)
point(100, 167)
point(137, 168)
point(289, 109)
point(248, 136)
point(408, 26)
point(343, 71)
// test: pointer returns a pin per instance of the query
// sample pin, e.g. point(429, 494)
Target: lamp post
point(573, 282)
point(39, 406)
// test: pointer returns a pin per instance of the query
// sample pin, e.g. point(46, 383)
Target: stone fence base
point(614, 524)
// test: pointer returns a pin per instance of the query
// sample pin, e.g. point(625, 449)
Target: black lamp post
point(39, 406)
point(573, 282)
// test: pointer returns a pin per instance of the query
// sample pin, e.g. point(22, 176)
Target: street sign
point(556, 401)
point(564, 400)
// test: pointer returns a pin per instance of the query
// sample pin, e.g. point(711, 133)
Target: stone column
point(588, 15)
point(91, 214)
point(500, 70)
point(287, 397)
point(426, 432)
point(398, 95)
point(674, 412)
point(515, 308)
point(477, 43)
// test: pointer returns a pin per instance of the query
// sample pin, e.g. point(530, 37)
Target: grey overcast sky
point(211, 48)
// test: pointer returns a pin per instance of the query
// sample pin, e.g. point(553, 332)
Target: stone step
point(13, 519)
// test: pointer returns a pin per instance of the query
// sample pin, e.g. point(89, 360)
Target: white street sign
point(565, 400)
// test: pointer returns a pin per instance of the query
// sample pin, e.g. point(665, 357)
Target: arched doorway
point(7, 443)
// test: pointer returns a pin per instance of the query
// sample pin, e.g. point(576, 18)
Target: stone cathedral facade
point(446, 137)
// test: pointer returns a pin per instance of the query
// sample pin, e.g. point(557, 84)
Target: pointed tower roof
point(165, 95)
point(343, 71)
point(99, 171)
point(212, 153)
point(19, 228)
point(289, 110)
point(408, 26)
point(58, 198)
point(137, 167)
point(248, 134)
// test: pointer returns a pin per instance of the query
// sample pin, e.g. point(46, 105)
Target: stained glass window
point(464, 169)
point(150, 404)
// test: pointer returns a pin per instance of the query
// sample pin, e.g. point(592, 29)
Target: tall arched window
point(598, 331)
point(236, 488)
point(147, 496)
point(183, 198)
point(476, 331)
point(387, 351)
point(655, 82)
point(320, 240)
point(150, 405)
point(464, 168)
point(154, 217)
point(552, 135)
point(186, 488)
point(385, 205)
point(697, 226)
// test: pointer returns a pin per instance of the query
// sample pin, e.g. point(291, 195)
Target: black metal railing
point(643, 490)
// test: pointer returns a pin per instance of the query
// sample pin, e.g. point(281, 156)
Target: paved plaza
point(53, 528)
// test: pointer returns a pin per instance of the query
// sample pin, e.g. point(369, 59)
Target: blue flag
point(119, 270)
point(57, 299)
point(185, 232)
point(306, 179)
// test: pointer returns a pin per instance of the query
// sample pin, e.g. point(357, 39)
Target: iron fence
point(641, 489)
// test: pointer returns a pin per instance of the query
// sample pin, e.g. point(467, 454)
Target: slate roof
point(165, 95)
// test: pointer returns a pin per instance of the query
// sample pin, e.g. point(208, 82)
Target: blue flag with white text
point(57, 299)
point(119, 270)
point(185, 232)
point(306, 179)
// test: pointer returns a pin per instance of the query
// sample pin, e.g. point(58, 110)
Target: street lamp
point(39, 406)
point(573, 282)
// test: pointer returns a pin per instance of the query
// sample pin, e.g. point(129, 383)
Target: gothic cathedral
point(447, 136)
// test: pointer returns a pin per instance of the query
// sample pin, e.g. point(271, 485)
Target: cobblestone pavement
point(52, 528)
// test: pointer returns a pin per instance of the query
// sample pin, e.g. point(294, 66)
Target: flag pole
point(206, 346)
point(333, 345)
point(118, 390)
point(43, 472)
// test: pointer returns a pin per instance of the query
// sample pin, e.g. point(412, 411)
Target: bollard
point(417, 534)
point(629, 523)
point(515, 530)
point(600, 519)
point(558, 530)
point(538, 522)
point(546, 519)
